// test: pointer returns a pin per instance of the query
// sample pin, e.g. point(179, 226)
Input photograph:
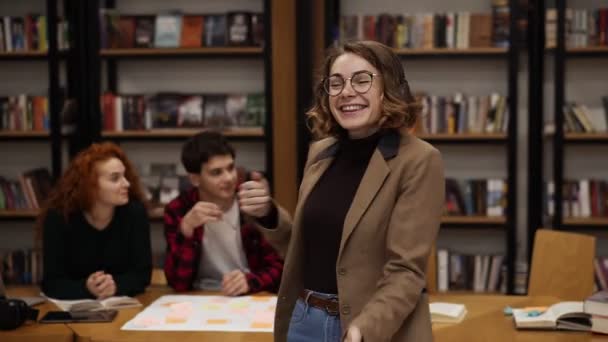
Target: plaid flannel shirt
point(183, 254)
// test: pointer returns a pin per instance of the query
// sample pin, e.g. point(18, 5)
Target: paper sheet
point(206, 313)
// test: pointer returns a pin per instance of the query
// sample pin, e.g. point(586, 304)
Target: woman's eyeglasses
point(361, 82)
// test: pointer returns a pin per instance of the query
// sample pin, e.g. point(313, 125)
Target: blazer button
point(342, 271)
point(346, 309)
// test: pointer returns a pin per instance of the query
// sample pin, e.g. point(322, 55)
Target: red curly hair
point(77, 188)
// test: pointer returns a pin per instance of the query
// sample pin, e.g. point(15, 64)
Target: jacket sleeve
point(412, 230)
point(137, 278)
point(265, 263)
point(181, 253)
point(56, 282)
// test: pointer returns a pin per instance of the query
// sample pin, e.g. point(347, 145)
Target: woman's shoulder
point(55, 215)
point(134, 208)
point(412, 146)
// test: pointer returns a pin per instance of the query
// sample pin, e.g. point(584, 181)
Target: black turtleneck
point(325, 210)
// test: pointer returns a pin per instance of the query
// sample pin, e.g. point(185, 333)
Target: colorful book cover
point(168, 30)
point(239, 28)
point(215, 30)
point(144, 31)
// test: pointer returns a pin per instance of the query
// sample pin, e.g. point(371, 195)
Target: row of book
point(582, 119)
point(460, 113)
point(176, 110)
point(24, 113)
point(478, 273)
point(29, 33)
point(178, 30)
point(582, 198)
point(28, 191)
point(459, 30)
point(475, 197)
point(21, 266)
point(584, 27)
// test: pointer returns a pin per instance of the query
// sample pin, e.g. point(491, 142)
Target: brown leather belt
point(331, 306)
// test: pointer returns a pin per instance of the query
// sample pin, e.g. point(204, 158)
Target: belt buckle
point(331, 312)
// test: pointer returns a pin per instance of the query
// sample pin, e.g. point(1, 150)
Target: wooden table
point(492, 325)
point(32, 331)
point(485, 321)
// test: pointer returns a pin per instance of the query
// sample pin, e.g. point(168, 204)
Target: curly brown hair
point(77, 188)
point(399, 107)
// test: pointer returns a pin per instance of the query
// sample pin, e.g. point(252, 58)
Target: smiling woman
point(372, 197)
point(96, 235)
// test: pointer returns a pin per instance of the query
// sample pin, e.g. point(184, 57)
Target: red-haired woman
point(96, 233)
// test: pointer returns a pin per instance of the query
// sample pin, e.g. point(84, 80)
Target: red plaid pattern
point(183, 254)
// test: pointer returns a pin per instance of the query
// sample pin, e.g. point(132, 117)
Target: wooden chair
point(562, 265)
point(158, 277)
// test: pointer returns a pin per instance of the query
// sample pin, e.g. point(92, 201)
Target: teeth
point(352, 107)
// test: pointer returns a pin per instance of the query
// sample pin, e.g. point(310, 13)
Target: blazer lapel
point(376, 173)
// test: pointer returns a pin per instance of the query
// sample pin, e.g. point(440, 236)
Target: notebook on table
point(560, 316)
point(79, 305)
point(447, 312)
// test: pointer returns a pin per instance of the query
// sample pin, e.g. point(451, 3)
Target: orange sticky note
point(217, 321)
point(261, 325)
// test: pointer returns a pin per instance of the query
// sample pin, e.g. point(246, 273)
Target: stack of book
point(597, 307)
point(178, 30)
point(179, 110)
point(29, 33)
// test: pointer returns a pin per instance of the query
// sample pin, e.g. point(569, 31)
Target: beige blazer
point(388, 233)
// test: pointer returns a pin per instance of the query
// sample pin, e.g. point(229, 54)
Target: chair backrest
point(158, 277)
point(562, 265)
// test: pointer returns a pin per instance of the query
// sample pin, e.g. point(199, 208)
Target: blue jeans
point(310, 324)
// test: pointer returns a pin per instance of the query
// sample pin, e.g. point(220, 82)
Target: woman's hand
point(353, 334)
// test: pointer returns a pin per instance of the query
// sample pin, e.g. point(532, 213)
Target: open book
point(561, 316)
point(447, 312)
point(96, 305)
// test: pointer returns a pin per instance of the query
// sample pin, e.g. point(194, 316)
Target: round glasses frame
point(360, 86)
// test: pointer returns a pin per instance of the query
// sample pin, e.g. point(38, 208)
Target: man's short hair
point(202, 147)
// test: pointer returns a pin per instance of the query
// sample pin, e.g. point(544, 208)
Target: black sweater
point(325, 210)
point(74, 250)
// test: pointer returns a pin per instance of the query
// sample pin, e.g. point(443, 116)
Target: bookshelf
point(23, 55)
point(22, 148)
point(451, 52)
point(184, 52)
point(586, 138)
point(122, 69)
point(24, 135)
point(18, 214)
point(480, 138)
point(254, 133)
point(568, 61)
point(318, 39)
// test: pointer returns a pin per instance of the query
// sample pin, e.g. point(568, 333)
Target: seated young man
point(209, 245)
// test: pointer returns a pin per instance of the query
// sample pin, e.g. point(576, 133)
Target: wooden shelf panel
point(17, 214)
point(586, 137)
point(253, 132)
point(468, 137)
point(488, 51)
point(589, 50)
point(473, 220)
point(23, 55)
point(202, 51)
point(590, 222)
point(24, 134)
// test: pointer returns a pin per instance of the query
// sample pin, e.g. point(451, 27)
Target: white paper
point(206, 313)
